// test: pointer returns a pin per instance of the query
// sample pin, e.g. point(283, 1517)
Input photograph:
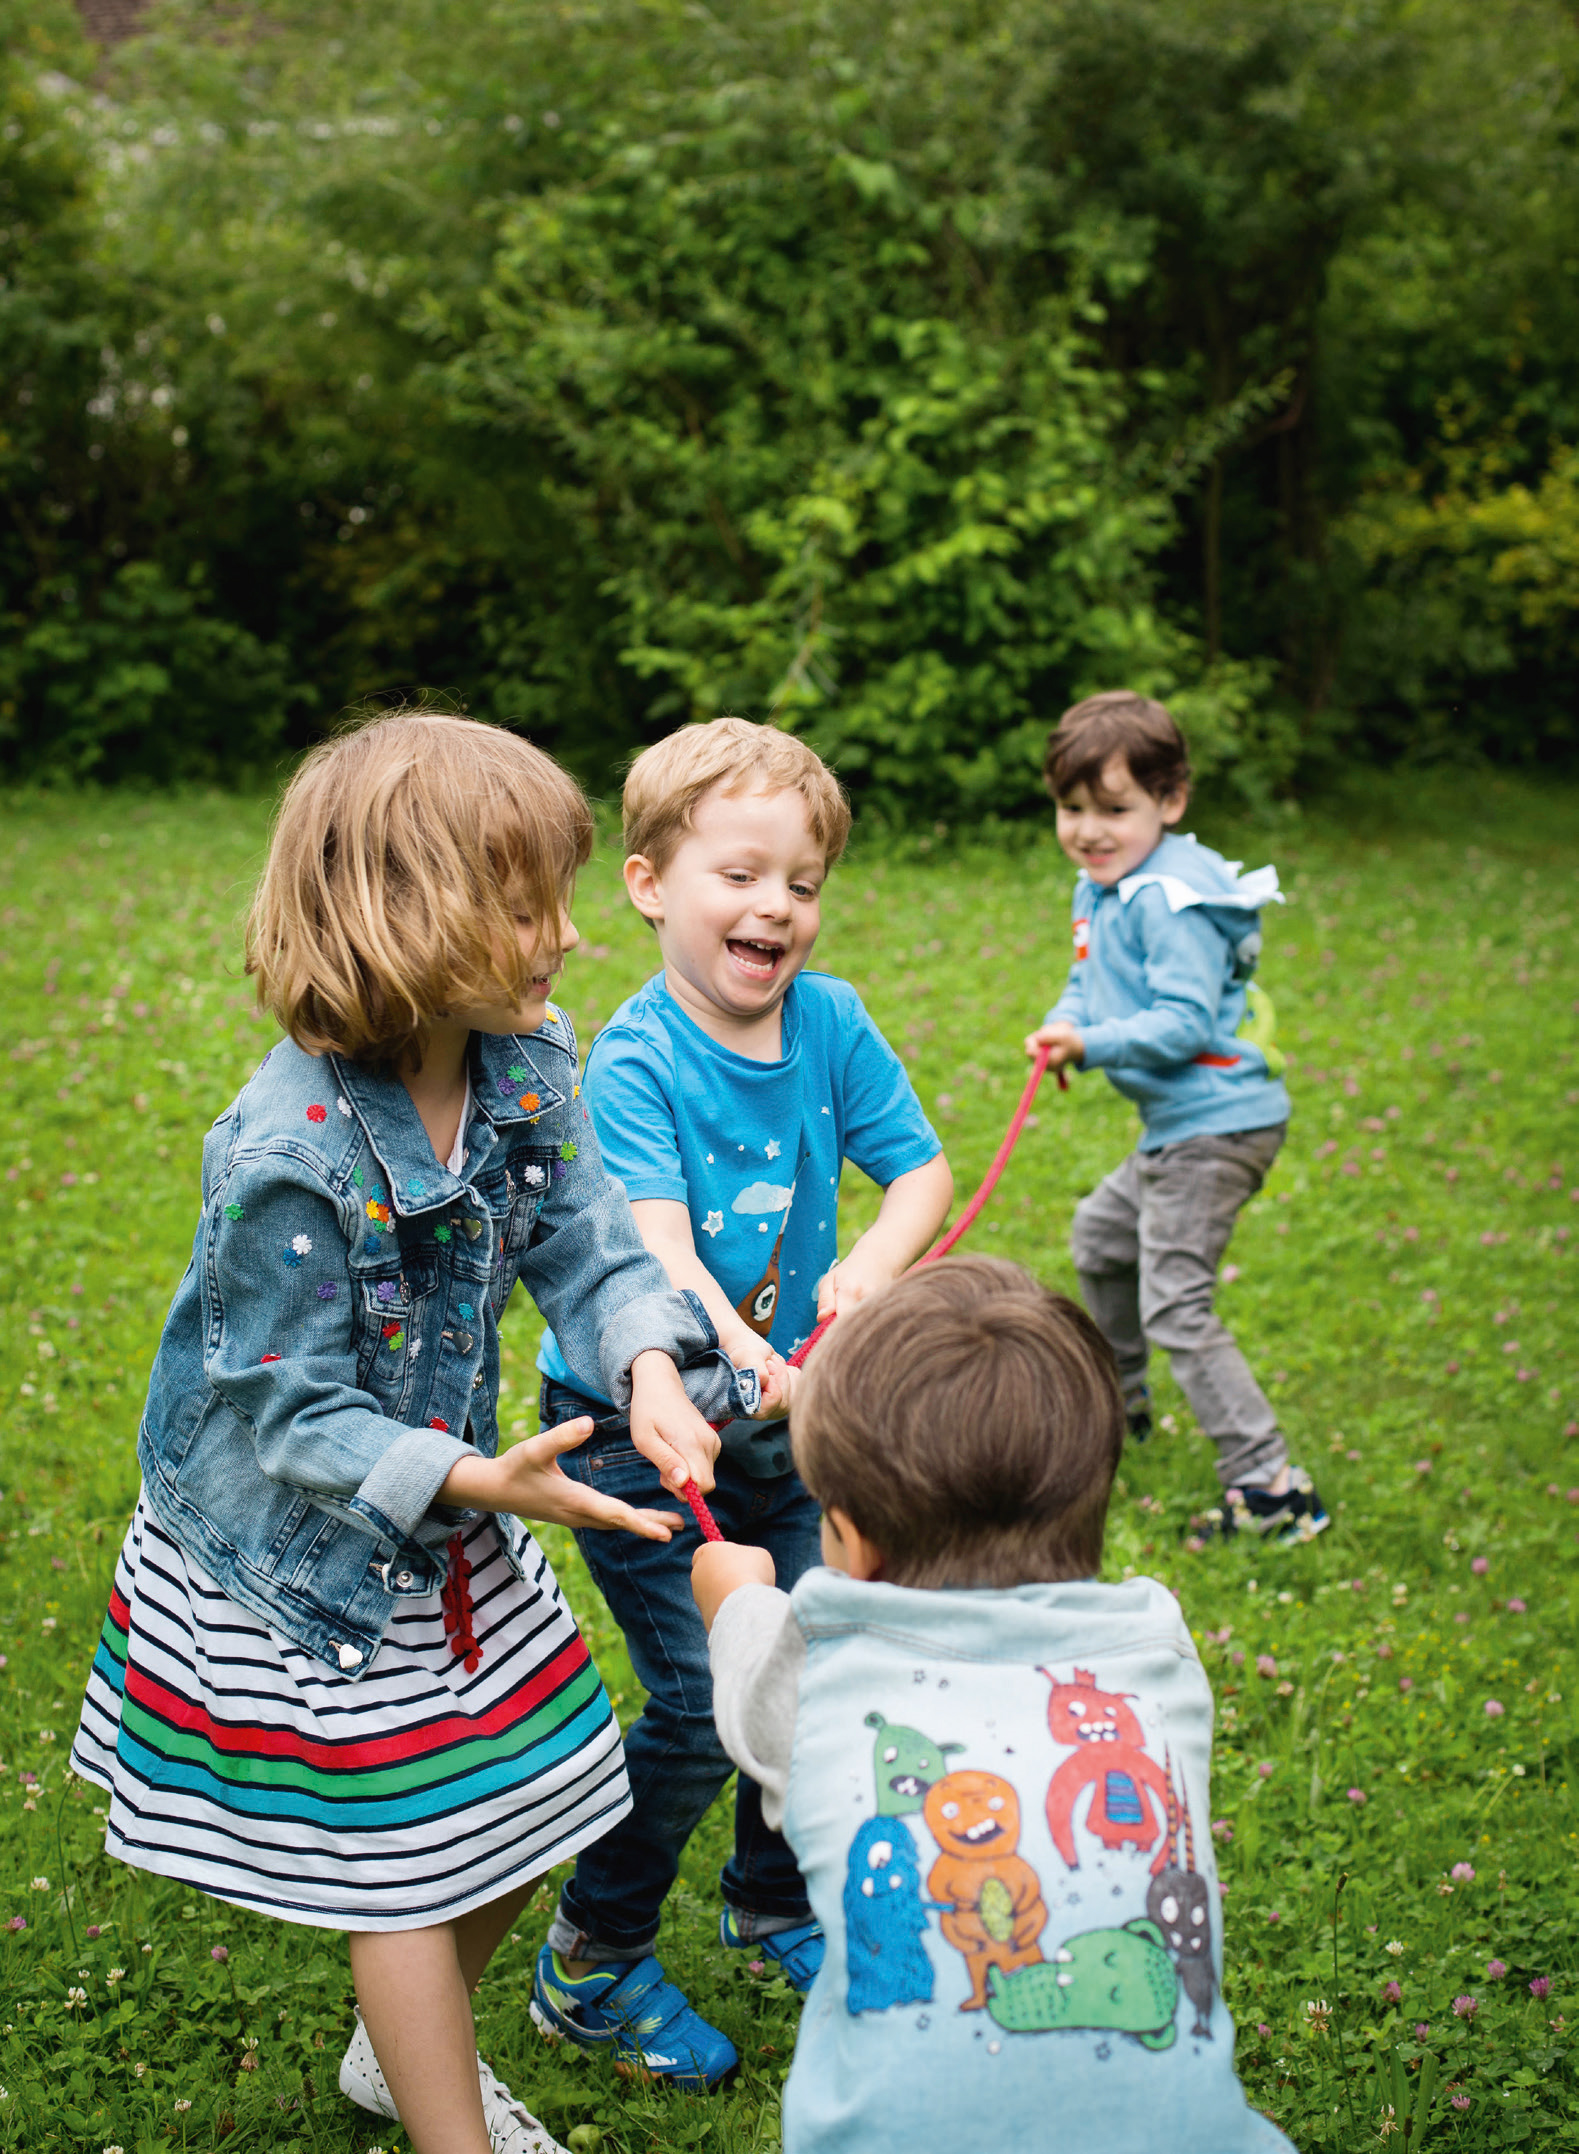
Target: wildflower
point(1465, 2007)
point(1495, 1708)
point(1444, 1890)
point(1479, 1565)
point(218, 1952)
point(1541, 1986)
point(756, 1966)
point(116, 1974)
point(1318, 2015)
point(1263, 2030)
point(1393, 1948)
point(1516, 1607)
point(1273, 1915)
point(114, 2150)
point(138, 2070)
point(1495, 1970)
point(75, 1998)
point(1265, 1665)
point(1422, 2029)
point(92, 1932)
point(1462, 1873)
point(1460, 2101)
point(182, 2106)
point(41, 1884)
point(147, 1948)
point(1406, 1683)
point(1265, 1768)
point(1357, 1795)
point(1390, 2123)
point(1222, 1830)
point(1392, 1992)
point(17, 1922)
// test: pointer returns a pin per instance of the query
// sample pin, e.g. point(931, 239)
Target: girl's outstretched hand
point(528, 1480)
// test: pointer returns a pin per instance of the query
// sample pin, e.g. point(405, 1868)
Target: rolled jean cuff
point(573, 1944)
point(751, 1926)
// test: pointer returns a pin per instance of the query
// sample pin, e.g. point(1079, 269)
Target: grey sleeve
point(757, 1653)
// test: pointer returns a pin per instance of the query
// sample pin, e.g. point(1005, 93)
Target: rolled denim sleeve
point(280, 1349)
point(605, 1293)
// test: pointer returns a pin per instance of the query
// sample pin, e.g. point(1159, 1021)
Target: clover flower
point(1318, 2015)
point(1422, 2029)
point(1495, 1708)
point(218, 1952)
point(1541, 1986)
point(116, 1974)
point(1266, 1665)
point(1393, 1992)
point(1465, 2007)
point(1460, 2101)
point(182, 2106)
point(76, 1998)
point(1394, 1947)
point(1358, 1795)
point(41, 1884)
point(1462, 1873)
point(1495, 1970)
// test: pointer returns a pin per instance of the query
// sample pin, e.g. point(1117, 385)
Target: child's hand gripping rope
point(962, 1226)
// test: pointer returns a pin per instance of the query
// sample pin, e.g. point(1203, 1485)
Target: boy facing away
point(993, 1770)
point(726, 1095)
point(1160, 996)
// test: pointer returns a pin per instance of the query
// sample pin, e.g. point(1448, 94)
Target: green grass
point(1404, 1285)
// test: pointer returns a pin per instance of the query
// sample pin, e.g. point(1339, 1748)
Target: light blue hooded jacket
point(1161, 991)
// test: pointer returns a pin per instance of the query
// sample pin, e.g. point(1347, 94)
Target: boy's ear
point(1173, 805)
point(642, 887)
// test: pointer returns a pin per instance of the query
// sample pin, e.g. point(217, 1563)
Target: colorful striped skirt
point(441, 1780)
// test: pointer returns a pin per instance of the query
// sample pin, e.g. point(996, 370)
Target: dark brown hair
point(967, 1420)
point(402, 853)
point(1091, 733)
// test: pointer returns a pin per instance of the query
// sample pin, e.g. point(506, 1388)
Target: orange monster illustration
point(995, 1911)
point(1111, 1758)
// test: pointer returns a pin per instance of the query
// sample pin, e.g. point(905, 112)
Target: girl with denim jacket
point(337, 1681)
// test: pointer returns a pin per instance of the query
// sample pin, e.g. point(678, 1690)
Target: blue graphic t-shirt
point(753, 1150)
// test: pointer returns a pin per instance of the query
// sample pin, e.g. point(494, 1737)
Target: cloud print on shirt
point(762, 1197)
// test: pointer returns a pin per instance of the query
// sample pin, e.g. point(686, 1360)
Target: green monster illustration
point(904, 1764)
point(1121, 1981)
point(1258, 1027)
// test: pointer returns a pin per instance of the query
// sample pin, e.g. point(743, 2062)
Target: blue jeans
point(609, 1909)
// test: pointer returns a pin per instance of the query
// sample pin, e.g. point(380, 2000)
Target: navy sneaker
point(799, 1951)
point(1137, 1412)
point(628, 2007)
point(1297, 1515)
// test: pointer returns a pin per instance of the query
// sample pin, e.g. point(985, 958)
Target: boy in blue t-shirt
point(727, 1095)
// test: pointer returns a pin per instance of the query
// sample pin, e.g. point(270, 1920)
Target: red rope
point(961, 1227)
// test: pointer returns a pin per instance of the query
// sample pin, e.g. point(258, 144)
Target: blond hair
point(968, 1421)
point(667, 780)
point(402, 854)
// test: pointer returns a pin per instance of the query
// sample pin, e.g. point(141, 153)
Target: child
point(992, 1769)
point(1166, 935)
point(727, 1095)
point(338, 1682)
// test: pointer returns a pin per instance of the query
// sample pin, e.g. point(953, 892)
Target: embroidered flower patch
point(441, 1234)
point(356, 1176)
point(387, 1290)
point(442, 1426)
point(394, 1337)
point(291, 1259)
point(235, 1211)
point(504, 1087)
point(328, 1290)
point(519, 1072)
point(465, 1309)
point(560, 1170)
point(344, 1106)
point(302, 1244)
point(315, 1113)
point(529, 1102)
point(267, 1357)
point(567, 1150)
point(371, 1245)
point(534, 1177)
point(416, 1188)
point(377, 1211)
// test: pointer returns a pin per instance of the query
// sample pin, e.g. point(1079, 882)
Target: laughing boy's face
point(737, 907)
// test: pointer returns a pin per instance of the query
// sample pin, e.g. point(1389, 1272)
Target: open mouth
point(758, 960)
point(982, 1832)
point(908, 1784)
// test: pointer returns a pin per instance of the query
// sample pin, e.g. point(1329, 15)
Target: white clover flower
point(75, 1998)
point(41, 1884)
point(1394, 1947)
point(116, 1974)
point(182, 2106)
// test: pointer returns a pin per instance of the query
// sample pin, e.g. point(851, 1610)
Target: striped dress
point(477, 1751)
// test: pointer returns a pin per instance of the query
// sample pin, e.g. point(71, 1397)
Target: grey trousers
point(1147, 1243)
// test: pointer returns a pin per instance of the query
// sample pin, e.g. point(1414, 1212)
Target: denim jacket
point(334, 1346)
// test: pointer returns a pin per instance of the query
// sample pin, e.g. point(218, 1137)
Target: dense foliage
point(903, 368)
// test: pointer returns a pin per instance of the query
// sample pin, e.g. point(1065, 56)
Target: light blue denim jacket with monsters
point(336, 1335)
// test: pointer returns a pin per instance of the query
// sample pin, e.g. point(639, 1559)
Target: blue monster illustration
point(885, 1919)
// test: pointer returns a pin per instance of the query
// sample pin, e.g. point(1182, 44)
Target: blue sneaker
point(627, 2006)
point(799, 1951)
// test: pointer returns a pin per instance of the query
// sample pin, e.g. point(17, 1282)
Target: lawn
point(1395, 1701)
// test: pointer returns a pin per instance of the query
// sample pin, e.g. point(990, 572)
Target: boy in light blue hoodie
point(993, 1769)
point(1161, 996)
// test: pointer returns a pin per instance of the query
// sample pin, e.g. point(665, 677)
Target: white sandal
point(512, 2129)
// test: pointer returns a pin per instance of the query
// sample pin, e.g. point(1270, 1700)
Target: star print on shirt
point(713, 1224)
point(773, 1148)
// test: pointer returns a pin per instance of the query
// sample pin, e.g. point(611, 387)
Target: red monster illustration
point(995, 1909)
point(1110, 1757)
